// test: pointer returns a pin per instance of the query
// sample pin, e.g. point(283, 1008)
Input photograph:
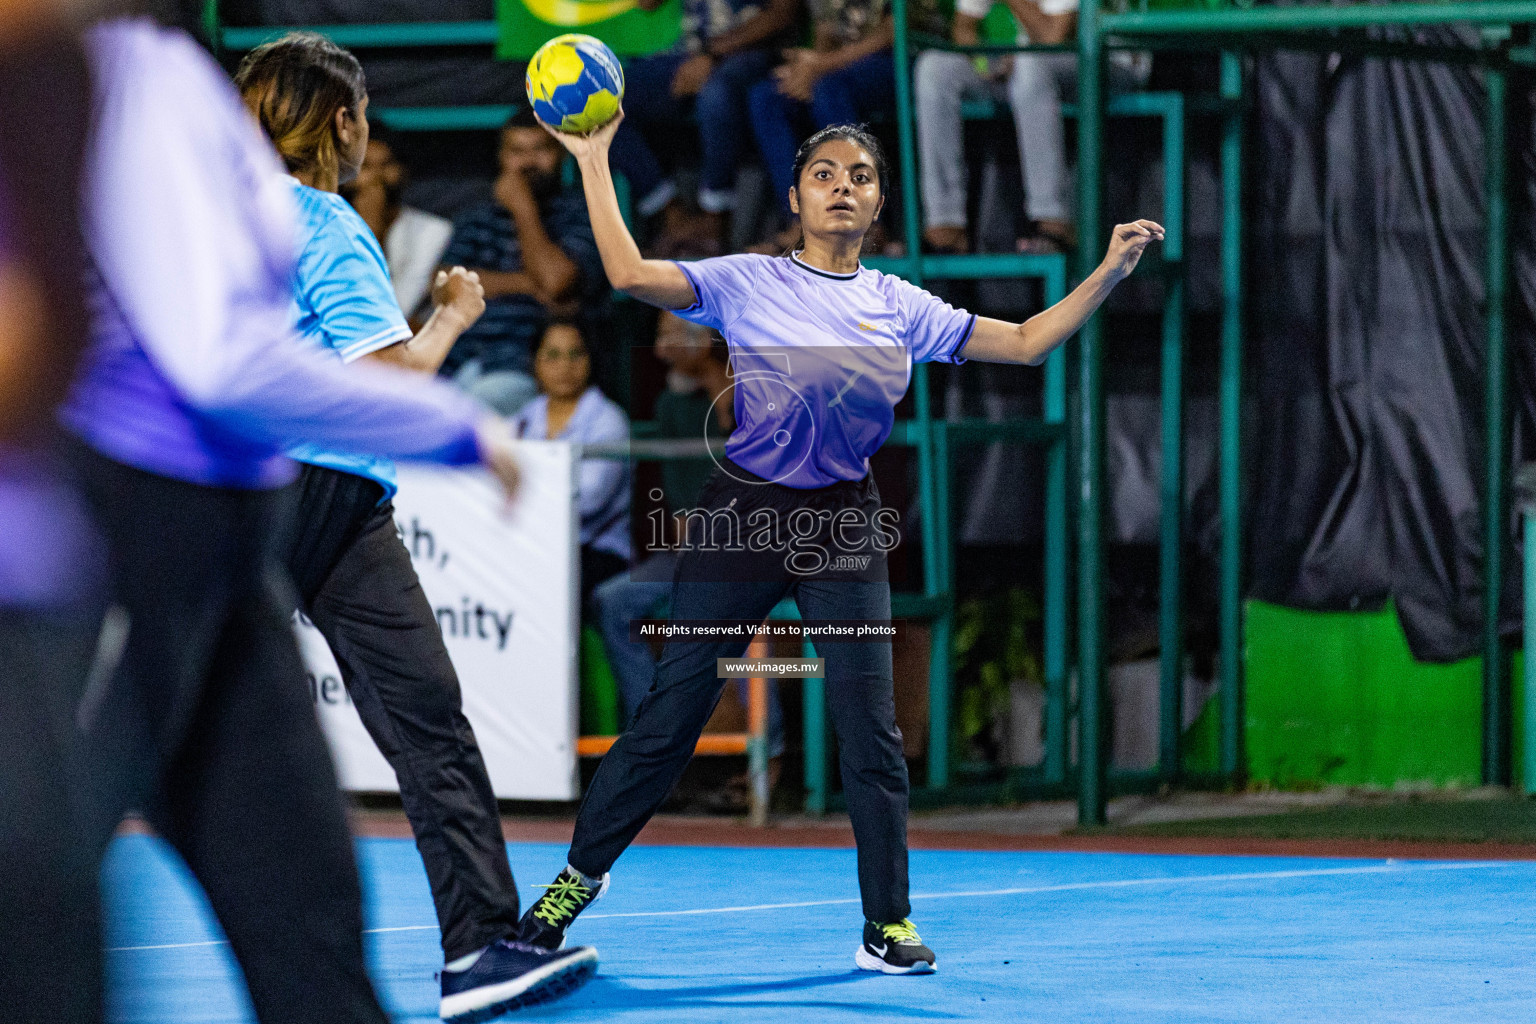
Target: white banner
point(503, 586)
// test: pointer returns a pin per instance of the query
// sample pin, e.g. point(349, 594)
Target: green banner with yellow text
point(629, 31)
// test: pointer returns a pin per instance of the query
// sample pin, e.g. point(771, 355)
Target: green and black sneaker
point(552, 913)
point(894, 949)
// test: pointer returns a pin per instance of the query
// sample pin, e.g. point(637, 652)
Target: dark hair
point(378, 131)
point(294, 86)
point(573, 322)
point(522, 118)
point(858, 134)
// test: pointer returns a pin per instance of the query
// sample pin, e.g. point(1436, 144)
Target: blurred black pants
point(648, 759)
point(357, 585)
point(50, 956)
point(207, 727)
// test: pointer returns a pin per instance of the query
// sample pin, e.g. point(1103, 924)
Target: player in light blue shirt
point(344, 304)
point(821, 352)
point(354, 576)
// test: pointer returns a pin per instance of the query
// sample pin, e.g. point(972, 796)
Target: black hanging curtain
point(1366, 264)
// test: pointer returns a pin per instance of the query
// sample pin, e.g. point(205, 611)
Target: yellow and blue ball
point(575, 83)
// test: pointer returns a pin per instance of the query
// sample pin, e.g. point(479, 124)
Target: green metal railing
point(1170, 108)
point(486, 117)
point(931, 439)
point(1229, 29)
point(1091, 795)
point(1528, 633)
point(1248, 19)
point(1232, 29)
point(411, 34)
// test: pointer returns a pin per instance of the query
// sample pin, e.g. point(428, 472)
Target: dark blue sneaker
point(511, 975)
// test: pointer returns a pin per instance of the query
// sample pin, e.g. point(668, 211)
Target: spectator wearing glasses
point(571, 408)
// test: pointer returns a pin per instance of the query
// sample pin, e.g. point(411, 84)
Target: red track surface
point(666, 831)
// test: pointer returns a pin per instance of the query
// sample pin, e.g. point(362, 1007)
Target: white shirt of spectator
point(413, 245)
point(979, 9)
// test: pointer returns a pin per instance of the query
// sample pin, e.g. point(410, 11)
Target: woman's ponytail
point(294, 86)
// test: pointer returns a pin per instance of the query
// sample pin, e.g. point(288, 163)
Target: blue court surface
point(691, 934)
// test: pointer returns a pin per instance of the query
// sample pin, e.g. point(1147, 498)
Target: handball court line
point(1388, 868)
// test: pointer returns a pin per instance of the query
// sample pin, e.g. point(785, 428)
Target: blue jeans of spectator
point(621, 599)
point(860, 90)
point(720, 110)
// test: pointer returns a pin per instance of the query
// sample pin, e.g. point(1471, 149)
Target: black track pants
point(647, 760)
point(357, 585)
point(207, 727)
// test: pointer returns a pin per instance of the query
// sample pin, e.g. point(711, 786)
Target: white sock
point(586, 880)
point(464, 963)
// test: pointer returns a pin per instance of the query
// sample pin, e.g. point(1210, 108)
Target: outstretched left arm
point(997, 341)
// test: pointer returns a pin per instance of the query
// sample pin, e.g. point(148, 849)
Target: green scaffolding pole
point(1528, 775)
point(815, 734)
point(1171, 542)
point(1230, 615)
point(1058, 550)
point(210, 22)
point(935, 527)
point(1496, 709)
point(1091, 798)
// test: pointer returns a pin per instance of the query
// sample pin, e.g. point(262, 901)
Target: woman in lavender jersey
point(821, 352)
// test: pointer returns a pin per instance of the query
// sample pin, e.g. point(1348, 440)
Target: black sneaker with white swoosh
point(552, 913)
point(894, 949)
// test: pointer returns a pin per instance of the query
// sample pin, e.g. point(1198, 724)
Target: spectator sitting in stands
point(413, 240)
point(697, 395)
point(533, 249)
point(1037, 84)
point(571, 408)
point(727, 46)
point(846, 77)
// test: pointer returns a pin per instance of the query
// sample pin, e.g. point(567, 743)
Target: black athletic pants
point(647, 760)
point(50, 956)
point(357, 585)
point(207, 727)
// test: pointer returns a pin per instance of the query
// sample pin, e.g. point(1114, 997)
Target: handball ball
point(575, 83)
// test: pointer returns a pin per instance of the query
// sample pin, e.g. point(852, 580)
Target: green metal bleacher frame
point(932, 439)
point(1219, 26)
point(1231, 29)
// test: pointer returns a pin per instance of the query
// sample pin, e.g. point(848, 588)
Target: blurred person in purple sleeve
point(191, 386)
point(50, 557)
